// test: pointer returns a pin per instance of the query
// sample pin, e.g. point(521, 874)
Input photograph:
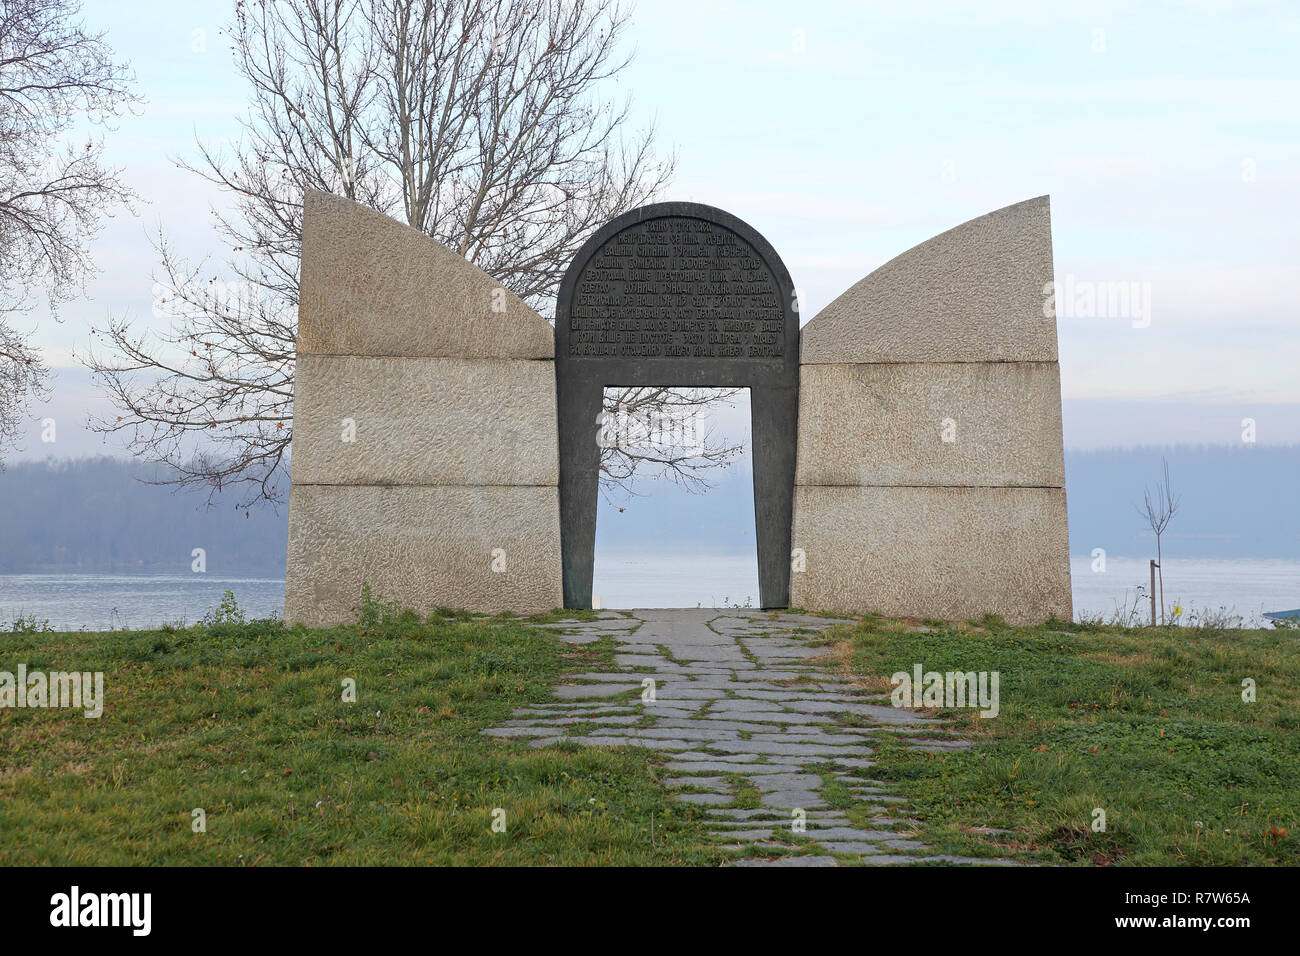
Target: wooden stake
point(1153, 592)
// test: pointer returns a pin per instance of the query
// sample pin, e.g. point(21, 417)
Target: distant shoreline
point(277, 573)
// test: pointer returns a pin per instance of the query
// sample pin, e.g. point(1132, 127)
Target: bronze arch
point(684, 295)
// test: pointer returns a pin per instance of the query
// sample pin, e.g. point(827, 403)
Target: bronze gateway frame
point(684, 295)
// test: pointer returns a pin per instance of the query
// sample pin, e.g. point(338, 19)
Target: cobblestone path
point(740, 705)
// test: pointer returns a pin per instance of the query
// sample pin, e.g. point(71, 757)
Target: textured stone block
point(425, 421)
point(971, 294)
point(371, 286)
point(949, 553)
point(422, 546)
point(886, 424)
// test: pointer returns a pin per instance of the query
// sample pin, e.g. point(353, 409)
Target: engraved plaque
point(676, 287)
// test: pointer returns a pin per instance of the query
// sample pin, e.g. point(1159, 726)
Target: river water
point(1244, 587)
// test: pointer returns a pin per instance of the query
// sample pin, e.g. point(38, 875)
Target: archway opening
point(675, 520)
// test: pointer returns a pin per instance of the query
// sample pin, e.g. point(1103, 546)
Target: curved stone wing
point(930, 478)
point(424, 442)
point(980, 292)
point(372, 286)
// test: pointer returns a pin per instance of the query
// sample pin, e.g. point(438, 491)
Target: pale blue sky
point(846, 132)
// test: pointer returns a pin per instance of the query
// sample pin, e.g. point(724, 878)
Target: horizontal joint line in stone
point(844, 484)
point(414, 484)
point(456, 358)
point(953, 361)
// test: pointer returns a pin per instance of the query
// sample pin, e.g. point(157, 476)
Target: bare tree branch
point(658, 430)
point(54, 193)
point(479, 122)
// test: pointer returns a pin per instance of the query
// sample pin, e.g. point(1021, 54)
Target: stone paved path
point(740, 707)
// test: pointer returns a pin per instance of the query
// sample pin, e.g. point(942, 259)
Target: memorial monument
point(906, 443)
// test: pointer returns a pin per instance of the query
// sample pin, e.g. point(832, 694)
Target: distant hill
point(96, 514)
point(1237, 502)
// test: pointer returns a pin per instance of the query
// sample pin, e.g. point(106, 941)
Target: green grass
point(1146, 724)
point(247, 722)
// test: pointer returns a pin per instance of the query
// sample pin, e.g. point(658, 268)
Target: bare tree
point(54, 192)
point(659, 429)
point(478, 122)
point(1159, 509)
point(22, 380)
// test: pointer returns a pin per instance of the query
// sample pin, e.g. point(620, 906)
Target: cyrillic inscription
point(677, 287)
